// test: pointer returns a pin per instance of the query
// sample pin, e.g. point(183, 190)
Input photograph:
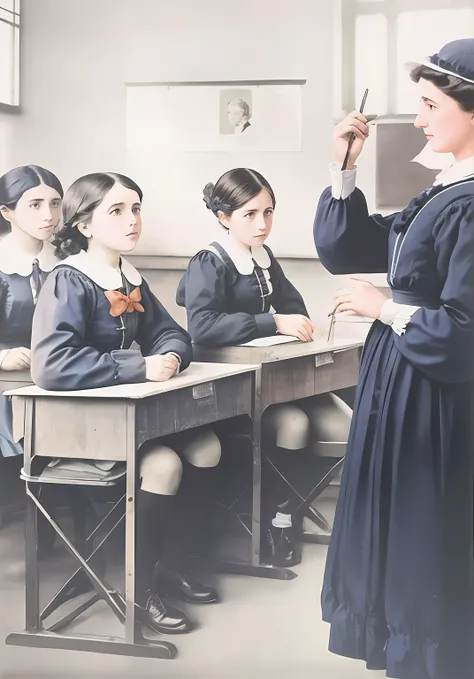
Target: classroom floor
point(262, 629)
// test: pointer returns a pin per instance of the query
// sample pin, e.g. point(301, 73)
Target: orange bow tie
point(119, 304)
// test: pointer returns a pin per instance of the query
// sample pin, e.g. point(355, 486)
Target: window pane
point(9, 71)
point(370, 40)
point(6, 62)
point(420, 34)
point(7, 4)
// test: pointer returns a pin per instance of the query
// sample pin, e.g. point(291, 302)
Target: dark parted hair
point(234, 189)
point(456, 88)
point(16, 182)
point(82, 198)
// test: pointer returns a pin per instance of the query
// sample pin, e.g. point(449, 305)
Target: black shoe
point(184, 587)
point(162, 619)
point(281, 548)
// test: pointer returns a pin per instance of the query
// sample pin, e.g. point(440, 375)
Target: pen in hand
point(352, 137)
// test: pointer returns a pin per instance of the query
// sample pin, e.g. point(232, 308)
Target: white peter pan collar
point(106, 277)
point(245, 258)
point(456, 172)
point(14, 260)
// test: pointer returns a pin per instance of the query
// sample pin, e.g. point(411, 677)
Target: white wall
point(77, 54)
point(7, 122)
point(72, 86)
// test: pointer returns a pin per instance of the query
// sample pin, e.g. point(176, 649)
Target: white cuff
point(343, 182)
point(397, 315)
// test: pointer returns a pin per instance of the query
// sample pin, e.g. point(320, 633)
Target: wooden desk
point(14, 379)
point(293, 371)
point(111, 423)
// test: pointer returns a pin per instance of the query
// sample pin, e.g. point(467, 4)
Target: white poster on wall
point(216, 118)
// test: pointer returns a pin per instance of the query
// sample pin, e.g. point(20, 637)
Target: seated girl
point(234, 291)
point(93, 306)
point(30, 208)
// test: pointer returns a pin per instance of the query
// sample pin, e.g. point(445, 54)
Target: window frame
point(15, 61)
point(346, 13)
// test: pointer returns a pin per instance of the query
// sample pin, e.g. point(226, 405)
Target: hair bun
point(207, 195)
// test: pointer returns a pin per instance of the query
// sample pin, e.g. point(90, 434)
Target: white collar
point(456, 172)
point(104, 275)
point(13, 260)
point(244, 258)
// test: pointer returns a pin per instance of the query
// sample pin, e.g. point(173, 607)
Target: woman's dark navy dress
point(399, 582)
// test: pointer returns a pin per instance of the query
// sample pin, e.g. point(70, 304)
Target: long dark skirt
point(398, 588)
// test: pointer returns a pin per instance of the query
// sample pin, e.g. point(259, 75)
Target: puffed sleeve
point(286, 298)
point(158, 333)
point(347, 238)
point(61, 358)
point(203, 292)
point(441, 341)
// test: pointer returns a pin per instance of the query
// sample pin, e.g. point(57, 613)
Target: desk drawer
point(90, 429)
point(287, 380)
point(341, 370)
point(194, 406)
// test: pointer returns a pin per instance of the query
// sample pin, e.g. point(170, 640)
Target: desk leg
point(32, 611)
point(135, 643)
point(256, 469)
point(130, 504)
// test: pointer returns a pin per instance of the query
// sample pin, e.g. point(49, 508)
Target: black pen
point(352, 137)
point(332, 315)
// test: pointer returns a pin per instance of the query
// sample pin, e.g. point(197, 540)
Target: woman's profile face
point(447, 127)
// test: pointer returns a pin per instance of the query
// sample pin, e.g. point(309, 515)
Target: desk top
point(278, 352)
point(15, 376)
point(197, 373)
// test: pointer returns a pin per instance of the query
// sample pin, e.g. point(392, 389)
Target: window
point(10, 52)
point(379, 36)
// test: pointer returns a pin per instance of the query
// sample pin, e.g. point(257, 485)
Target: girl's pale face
point(116, 223)
point(37, 212)
point(252, 223)
point(448, 128)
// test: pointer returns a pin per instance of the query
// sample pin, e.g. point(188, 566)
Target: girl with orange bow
point(92, 308)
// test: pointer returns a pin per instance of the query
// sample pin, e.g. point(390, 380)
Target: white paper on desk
point(269, 341)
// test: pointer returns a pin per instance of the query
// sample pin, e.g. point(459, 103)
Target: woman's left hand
point(361, 297)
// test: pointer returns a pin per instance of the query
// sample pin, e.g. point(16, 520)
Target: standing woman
point(399, 583)
point(30, 208)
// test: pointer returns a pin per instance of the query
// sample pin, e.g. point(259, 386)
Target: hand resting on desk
point(15, 359)
point(161, 368)
point(295, 326)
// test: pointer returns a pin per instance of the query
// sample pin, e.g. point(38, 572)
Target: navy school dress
point(229, 299)
point(21, 278)
point(78, 344)
point(399, 582)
